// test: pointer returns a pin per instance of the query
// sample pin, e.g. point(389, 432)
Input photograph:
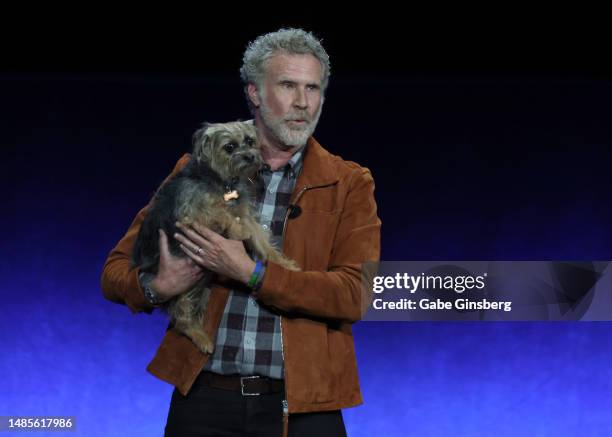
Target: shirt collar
point(293, 166)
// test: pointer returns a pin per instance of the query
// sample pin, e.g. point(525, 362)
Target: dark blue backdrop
point(466, 168)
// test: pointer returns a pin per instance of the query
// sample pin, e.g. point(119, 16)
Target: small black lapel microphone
point(295, 211)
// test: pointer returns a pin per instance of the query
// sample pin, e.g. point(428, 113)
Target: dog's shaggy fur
point(225, 157)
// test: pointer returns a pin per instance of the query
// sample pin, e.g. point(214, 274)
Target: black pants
point(213, 412)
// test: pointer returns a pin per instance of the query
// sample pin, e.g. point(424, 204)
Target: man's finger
point(164, 252)
point(205, 232)
point(192, 241)
point(197, 259)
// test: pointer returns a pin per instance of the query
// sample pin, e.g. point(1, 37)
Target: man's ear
point(253, 95)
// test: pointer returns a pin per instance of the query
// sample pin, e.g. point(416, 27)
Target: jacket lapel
point(317, 169)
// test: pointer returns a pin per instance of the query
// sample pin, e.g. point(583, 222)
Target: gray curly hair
point(264, 47)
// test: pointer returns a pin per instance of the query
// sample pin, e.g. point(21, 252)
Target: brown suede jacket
point(337, 230)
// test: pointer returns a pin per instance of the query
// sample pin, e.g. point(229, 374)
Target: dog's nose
point(249, 158)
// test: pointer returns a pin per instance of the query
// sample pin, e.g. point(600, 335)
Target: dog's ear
point(252, 131)
point(202, 147)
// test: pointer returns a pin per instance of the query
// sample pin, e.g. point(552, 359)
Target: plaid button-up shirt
point(249, 339)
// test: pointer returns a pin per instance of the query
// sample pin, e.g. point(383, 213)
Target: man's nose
point(300, 100)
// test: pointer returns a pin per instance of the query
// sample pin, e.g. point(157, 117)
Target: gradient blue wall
point(465, 169)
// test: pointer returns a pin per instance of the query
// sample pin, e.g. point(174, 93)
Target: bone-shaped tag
point(230, 195)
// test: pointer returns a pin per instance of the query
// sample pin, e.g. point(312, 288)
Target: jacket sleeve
point(338, 292)
point(119, 283)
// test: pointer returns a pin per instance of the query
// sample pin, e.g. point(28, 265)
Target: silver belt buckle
point(242, 378)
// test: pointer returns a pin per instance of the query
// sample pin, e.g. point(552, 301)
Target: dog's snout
point(249, 157)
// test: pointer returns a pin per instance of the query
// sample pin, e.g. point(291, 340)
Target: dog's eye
point(249, 141)
point(229, 147)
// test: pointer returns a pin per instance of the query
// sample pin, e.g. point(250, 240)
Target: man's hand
point(212, 251)
point(175, 275)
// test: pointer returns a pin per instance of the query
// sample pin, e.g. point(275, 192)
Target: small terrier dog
point(213, 190)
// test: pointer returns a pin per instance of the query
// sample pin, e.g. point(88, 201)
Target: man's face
point(290, 99)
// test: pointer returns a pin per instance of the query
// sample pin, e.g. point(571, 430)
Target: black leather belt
point(245, 385)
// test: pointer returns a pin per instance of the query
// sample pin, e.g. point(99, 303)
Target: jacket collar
point(317, 168)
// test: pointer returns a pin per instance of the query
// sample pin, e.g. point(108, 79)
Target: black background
point(488, 132)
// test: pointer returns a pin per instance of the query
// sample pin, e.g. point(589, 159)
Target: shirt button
point(265, 226)
point(249, 342)
point(270, 190)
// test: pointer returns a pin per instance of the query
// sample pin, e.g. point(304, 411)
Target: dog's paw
point(203, 342)
point(206, 346)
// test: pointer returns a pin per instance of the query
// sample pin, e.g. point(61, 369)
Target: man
point(284, 348)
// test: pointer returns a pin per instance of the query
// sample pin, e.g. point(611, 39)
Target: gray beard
point(284, 134)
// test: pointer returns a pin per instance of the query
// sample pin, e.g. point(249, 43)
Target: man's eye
point(229, 147)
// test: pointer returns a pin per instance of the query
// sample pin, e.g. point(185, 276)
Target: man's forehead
point(285, 66)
